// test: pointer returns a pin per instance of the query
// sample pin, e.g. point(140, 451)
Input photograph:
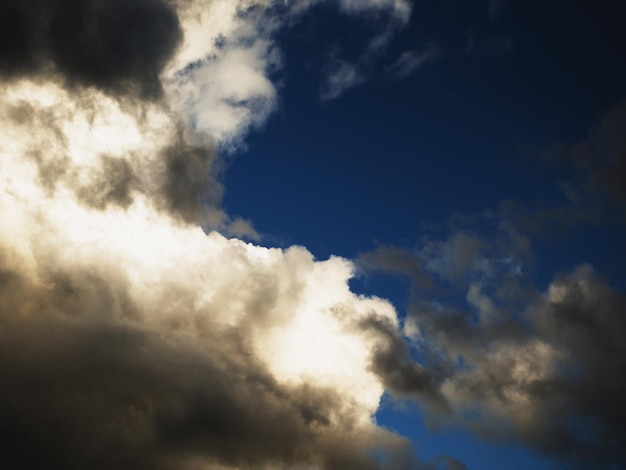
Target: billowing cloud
point(132, 334)
point(132, 339)
point(135, 334)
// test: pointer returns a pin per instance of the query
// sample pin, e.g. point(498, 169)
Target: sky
point(312, 234)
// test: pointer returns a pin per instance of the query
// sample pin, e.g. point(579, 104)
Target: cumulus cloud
point(132, 339)
point(132, 333)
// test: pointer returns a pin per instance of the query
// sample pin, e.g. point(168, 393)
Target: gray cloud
point(593, 178)
point(391, 360)
point(183, 184)
point(598, 162)
point(114, 45)
point(393, 260)
point(509, 360)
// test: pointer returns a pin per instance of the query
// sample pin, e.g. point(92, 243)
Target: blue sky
point(321, 234)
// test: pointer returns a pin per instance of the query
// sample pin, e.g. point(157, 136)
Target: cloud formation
point(410, 61)
point(132, 339)
point(507, 359)
point(132, 334)
point(116, 45)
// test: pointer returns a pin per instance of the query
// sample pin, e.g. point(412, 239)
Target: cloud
point(341, 77)
point(395, 260)
point(592, 174)
point(132, 333)
point(115, 46)
point(410, 61)
point(597, 163)
point(222, 86)
point(132, 339)
point(558, 389)
point(512, 362)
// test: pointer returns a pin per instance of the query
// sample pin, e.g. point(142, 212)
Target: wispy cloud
point(410, 61)
point(341, 77)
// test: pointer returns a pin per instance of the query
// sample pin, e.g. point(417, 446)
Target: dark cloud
point(184, 183)
point(112, 183)
point(481, 247)
point(395, 260)
point(189, 186)
point(502, 357)
point(558, 386)
point(86, 385)
point(114, 45)
point(391, 360)
point(598, 162)
point(593, 178)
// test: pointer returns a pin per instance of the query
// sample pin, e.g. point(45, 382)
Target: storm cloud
point(113, 45)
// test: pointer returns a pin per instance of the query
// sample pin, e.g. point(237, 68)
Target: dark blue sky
point(504, 123)
point(462, 134)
